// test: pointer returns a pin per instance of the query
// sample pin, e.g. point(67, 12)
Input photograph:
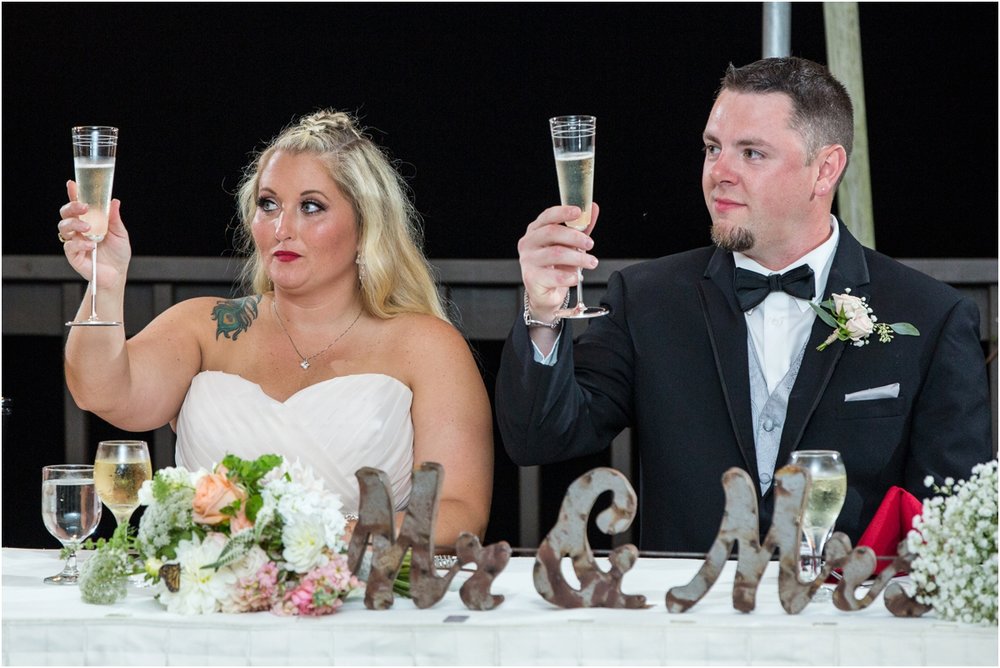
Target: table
point(44, 624)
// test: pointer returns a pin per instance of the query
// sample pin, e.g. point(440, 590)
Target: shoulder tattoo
point(234, 316)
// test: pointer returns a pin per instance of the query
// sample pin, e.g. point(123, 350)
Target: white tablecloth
point(46, 624)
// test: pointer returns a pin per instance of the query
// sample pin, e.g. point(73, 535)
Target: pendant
point(304, 364)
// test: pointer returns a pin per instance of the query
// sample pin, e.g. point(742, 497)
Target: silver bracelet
point(531, 322)
point(444, 562)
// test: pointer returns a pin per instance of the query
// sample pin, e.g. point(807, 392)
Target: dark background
point(459, 94)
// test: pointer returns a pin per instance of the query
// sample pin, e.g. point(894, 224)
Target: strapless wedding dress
point(335, 426)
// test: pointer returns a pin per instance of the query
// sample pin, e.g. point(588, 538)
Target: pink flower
point(319, 592)
point(258, 592)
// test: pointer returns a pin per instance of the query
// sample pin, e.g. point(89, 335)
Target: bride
point(340, 354)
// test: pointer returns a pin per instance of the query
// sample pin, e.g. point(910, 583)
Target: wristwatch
point(531, 322)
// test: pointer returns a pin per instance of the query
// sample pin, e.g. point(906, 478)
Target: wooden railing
point(41, 293)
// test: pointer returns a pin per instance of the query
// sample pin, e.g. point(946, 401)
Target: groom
point(711, 358)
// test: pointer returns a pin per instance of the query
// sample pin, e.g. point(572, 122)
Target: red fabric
point(892, 521)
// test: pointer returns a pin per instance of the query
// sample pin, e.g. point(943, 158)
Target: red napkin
point(892, 521)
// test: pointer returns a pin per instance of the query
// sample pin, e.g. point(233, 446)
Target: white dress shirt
point(780, 325)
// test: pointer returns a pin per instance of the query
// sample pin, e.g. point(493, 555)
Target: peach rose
point(213, 493)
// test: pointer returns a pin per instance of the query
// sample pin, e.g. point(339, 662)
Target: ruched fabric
point(335, 426)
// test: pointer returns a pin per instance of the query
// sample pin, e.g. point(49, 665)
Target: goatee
point(736, 240)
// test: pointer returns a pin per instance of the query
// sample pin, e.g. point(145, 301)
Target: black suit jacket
point(670, 361)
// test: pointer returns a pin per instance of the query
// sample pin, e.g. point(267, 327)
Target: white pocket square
point(884, 392)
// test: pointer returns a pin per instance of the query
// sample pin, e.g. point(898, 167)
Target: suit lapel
point(849, 270)
point(727, 331)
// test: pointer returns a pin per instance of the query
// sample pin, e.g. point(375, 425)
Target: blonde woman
point(340, 355)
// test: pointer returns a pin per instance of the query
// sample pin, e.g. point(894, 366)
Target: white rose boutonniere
point(853, 320)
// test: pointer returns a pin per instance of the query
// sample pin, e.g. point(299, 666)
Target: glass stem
point(579, 284)
point(70, 567)
point(93, 283)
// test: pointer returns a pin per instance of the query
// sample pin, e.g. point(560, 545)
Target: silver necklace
point(304, 363)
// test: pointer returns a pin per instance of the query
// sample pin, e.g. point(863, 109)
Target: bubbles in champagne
point(826, 498)
point(576, 183)
point(94, 178)
point(118, 483)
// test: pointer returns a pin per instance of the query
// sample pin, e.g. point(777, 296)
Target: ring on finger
point(62, 238)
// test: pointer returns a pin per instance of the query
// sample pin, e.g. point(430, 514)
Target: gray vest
point(769, 412)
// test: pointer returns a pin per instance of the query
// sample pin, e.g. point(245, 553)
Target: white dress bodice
point(335, 426)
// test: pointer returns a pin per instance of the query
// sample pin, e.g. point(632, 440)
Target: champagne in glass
point(573, 142)
point(94, 151)
point(827, 491)
point(71, 511)
point(576, 184)
point(120, 468)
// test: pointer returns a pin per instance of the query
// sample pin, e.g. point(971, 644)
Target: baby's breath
point(955, 540)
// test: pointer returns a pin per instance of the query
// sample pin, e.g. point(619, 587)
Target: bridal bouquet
point(955, 540)
point(248, 536)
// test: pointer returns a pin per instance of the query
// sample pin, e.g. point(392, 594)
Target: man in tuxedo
point(712, 358)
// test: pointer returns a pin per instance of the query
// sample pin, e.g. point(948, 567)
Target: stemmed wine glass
point(573, 142)
point(827, 490)
point(120, 468)
point(71, 511)
point(94, 150)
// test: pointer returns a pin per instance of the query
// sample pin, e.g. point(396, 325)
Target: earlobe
point(833, 161)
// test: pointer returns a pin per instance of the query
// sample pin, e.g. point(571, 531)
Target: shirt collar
point(819, 258)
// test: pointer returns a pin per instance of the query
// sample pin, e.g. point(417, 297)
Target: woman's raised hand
point(115, 252)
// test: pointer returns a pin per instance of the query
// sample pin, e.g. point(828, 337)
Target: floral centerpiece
point(955, 540)
point(248, 536)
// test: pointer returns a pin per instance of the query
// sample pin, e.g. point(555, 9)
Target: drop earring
point(362, 274)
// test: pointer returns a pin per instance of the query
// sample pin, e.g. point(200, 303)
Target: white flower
point(146, 493)
point(308, 503)
point(304, 541)
point(251, 562)
point(201, 590)
point(956, 566)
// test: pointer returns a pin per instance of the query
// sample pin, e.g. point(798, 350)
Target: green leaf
point(904, 328)
point(253, 506)
point(824, 315)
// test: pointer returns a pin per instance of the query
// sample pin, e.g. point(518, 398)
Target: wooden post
point(843, 47)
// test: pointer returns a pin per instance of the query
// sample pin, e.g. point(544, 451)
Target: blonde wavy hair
point(397, 277)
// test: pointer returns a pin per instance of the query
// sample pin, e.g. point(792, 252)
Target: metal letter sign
point(377, 522)
point(568, 538)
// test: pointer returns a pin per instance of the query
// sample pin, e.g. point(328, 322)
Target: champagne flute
point(573, 140)
point(827, 490)
point(71, 511)
point(94, 150)
point(120, 468)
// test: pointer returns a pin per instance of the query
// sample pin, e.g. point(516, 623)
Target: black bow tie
point(752, 288)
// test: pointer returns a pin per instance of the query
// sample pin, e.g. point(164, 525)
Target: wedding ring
point(62, 238)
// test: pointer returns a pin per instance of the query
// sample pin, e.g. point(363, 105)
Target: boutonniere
point(853, 320)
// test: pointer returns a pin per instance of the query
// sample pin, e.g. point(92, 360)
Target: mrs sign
point(598, 588)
